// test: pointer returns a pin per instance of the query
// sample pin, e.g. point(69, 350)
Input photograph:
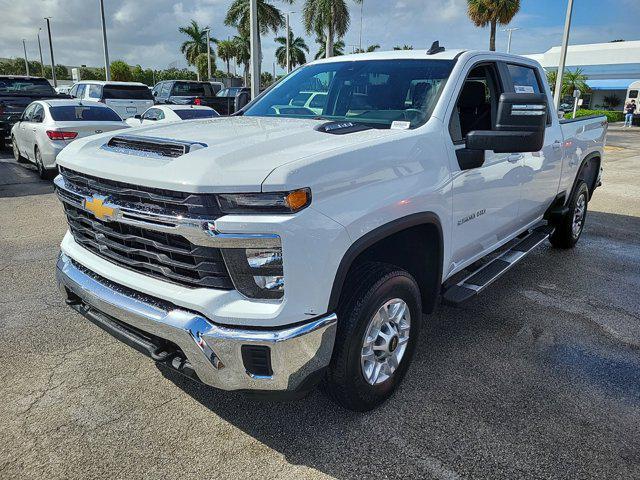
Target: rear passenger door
point(541, 171)
point(485, 199)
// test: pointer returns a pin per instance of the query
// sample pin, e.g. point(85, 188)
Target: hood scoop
point(151, 146)
point(342, 128)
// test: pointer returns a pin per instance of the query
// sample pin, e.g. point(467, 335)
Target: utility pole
point(360, 42)
point(208, 30)
point(255, 58)
point(510, 30)
point(53, 62)
point(40, 50)
point(557, 94)
point(26, 60)
point(107, 65)
point(287, 49)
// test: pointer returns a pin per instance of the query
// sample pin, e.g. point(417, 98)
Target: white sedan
point(171, 113)
point(47, 126)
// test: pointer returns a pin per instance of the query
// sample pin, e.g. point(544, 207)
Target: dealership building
point(609, 67)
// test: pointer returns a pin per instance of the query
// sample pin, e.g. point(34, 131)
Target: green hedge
point(612, 116)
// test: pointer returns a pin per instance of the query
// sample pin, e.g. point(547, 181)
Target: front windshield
point(373, 92)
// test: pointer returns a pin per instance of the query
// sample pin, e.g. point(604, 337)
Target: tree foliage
point(328, 19)
point(227, 52)
point(492, 13)
point(297, 49)
point(120, 71)
point(338, 48)
point(196, 42)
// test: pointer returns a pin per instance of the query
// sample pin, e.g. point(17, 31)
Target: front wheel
point(44, 173)
point(568, 231)
point(16, 151)
point(379, 320)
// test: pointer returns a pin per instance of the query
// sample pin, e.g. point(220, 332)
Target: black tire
point(368, 288)
point(565, 235)
point(17, 156)
point(45, 174)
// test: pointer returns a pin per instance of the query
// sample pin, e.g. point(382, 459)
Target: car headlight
point(256, 272)
point(272, 202)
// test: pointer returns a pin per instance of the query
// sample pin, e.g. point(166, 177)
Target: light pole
point(40, 50)
point(360, 42)
point(288, 43)
point(557, 94)
point(26, 60)
point(208, 30)
point(255, 58)
point(53, 62)
point(510, 30)
point(107, 65)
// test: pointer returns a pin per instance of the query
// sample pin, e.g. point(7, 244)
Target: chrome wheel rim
point(578, 215)
point(385, 341)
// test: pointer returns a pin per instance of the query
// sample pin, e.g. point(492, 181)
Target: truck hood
point(240, 152)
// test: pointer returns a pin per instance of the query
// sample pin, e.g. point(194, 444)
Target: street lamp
point(107, 66)
point(557, 94)
point(510, 30)
point(255, 57)
point(288, 46)
point(40, 50)
point(53, 68)
point(26, 60)
point(208, 30)
point(360, 42)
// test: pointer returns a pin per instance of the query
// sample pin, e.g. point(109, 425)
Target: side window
point(81, 90)
point(151, 114)
point(37, 116)
point(160, 115)
point(524, 79)
point(166, 89)
point(156, 89)
point(633, 93)
point(74, 91)
point(477, 103)
point(95, 91)
point(26, 116)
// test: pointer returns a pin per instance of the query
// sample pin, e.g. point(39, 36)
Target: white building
point(609, 67)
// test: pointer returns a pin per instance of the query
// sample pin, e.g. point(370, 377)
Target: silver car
point(47, 126)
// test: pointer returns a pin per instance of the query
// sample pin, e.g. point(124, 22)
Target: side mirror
point(520, 127)
point(155, 94)
point(139, 117)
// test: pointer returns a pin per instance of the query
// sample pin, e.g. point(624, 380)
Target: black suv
point(189, 92)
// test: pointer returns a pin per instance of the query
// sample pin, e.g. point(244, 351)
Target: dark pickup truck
point(186, 92)
point(16, 92)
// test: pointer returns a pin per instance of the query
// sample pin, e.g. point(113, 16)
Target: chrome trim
point(214, 351)
point(201, 232)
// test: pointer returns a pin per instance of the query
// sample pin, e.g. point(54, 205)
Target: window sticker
point(523, 89)
point(400, 125)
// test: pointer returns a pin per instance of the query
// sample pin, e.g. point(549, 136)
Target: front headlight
point(272, 202)
point(256, 273)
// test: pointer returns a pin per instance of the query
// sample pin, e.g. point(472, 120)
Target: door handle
point(556, 145)
point(514, 157)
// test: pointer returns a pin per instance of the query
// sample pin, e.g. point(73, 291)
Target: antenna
point(435, 48)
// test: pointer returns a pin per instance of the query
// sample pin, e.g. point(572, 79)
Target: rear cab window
point(188, 89)
point(126, 92)
point(83, 113)
point(25, 87)
point(191, 113)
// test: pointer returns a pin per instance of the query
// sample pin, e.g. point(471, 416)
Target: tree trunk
point(228, 67)
point(492, 37)
point(329, 46)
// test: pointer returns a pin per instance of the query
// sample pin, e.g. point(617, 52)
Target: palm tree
point(338, 48)
point(297, 47)
point(369, 49)
point(403, 47)
point(329, 18)
point(492, 12)
point(574, 80)
point(197, 42)
point(269, 18)
point(227, 52)
point(242, 47)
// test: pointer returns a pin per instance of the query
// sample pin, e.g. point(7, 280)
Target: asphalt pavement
point(538, 377)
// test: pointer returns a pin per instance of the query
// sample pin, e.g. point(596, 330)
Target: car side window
point(524, 79)
point(95, 91)
point(160, 115)
point(156, 90)
point(74, 91)
point(166, 89)
point(477, 104)
point(37, 116)
point(26, 116)
point(81, 90)
point(151, 114)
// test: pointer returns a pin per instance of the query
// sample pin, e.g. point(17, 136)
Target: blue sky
point(145, 31)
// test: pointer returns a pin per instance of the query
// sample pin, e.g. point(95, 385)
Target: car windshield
point(83, 113)
point(127, 92)
point(191, 113)
point(372, 92)
point(25, 86)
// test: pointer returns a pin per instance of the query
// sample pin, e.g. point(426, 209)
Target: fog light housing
point(256, 273)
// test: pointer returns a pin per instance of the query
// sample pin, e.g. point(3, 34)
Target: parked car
point(279, 250)
point(16, 92)
point(47, 126)
point(126, 98)
point(231, 100)
point(64, 89)
point(171, 113)
point(183, 92)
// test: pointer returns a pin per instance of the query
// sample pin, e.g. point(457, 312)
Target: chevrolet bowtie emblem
point(101, 211)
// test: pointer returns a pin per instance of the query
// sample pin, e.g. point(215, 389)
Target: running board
point(488, 273)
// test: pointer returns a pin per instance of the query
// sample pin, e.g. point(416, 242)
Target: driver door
point(23, 130)
point(485, 199)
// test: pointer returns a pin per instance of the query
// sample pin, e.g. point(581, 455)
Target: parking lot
point(538, 377)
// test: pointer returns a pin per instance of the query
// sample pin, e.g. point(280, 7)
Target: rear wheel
point(379, 321)
point(569, 229)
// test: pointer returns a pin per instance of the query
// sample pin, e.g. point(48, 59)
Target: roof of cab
point(104, 82)
point(394, 55)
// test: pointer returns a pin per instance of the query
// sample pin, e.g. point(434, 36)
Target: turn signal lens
point(298, 199)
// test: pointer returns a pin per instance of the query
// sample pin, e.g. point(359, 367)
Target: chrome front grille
point(143, 239)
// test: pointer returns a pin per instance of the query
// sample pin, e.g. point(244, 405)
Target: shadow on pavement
point(18, 180)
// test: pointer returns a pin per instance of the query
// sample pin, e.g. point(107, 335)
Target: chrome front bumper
point(298, 353)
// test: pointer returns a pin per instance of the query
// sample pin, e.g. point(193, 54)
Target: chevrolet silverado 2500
point(282, 247)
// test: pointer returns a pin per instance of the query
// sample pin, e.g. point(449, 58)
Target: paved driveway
point(539, 377)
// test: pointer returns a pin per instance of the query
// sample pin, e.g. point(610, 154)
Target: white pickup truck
point(296, 244)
